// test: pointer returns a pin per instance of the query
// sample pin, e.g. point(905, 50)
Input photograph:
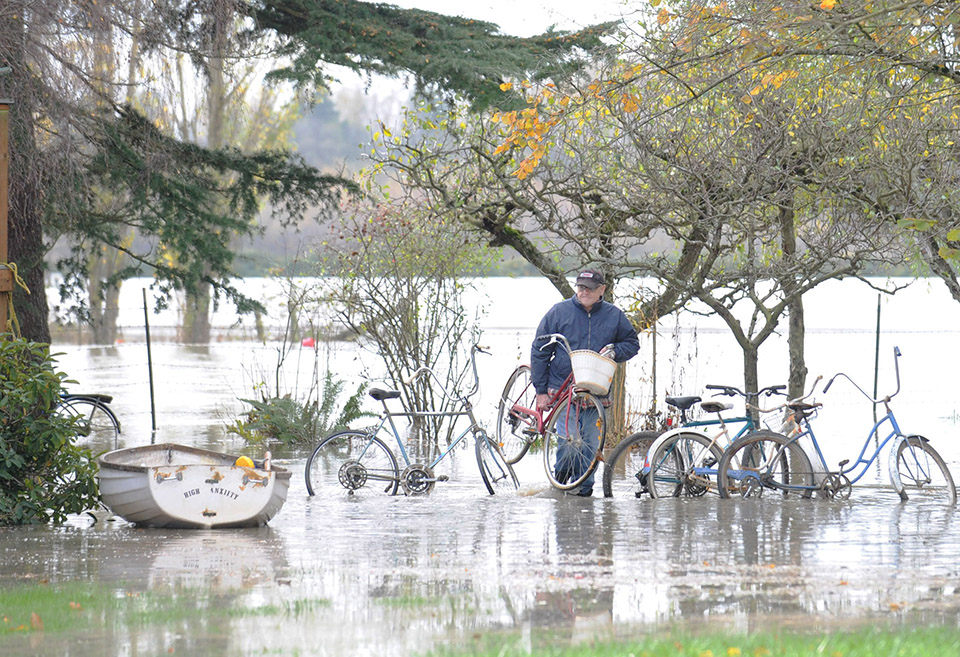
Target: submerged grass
point(82, 606)
point(918, 642)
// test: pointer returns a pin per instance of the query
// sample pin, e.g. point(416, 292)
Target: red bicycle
point(564, 431)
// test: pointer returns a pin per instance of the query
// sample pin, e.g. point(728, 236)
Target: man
point(588, 322)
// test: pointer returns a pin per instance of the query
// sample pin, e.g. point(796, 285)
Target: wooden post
point(6, 276)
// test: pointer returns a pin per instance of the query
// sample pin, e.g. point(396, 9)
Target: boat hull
point(177, 486)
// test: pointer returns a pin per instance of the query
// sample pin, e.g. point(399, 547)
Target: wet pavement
point(397, 575)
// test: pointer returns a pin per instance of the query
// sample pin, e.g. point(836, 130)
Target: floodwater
point(399, 576)
point(403, 575)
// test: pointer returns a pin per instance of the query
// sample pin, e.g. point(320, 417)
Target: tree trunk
point(796, 381)
point(25, 245)
point(104, 301)
point(196, 317)
point(751, 376)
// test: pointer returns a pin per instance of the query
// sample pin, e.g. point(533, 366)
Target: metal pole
point(876, 371)
point(153, 412)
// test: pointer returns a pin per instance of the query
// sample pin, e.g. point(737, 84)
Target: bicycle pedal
point(530, 432)
point(443, 478)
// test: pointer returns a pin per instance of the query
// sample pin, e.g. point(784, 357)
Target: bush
point(295, 423)
point(43, 475)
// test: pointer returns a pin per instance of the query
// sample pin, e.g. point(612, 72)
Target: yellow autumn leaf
point(828, 4)
point(506, 86)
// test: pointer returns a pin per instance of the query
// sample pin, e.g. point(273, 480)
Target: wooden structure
point(6, 275)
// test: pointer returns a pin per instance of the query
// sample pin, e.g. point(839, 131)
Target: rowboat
point(170, 485)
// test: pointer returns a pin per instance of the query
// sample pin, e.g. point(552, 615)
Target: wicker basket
point(591, 371)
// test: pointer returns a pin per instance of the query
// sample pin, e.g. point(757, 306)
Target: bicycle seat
point(715, 406)
point(803, 406)
point(683, 403)
point(380, 395)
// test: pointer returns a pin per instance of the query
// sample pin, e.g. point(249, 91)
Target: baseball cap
point(591, 278)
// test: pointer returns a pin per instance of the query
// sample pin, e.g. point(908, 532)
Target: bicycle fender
point(892, 461)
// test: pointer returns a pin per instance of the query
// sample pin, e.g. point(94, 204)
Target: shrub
point(44, 475)
point(295, 423)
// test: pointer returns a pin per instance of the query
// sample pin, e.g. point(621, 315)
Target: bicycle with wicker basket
point(558, 430)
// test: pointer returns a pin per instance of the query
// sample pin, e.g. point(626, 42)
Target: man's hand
point(543, 402)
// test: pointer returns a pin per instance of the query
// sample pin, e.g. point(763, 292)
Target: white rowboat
point(170, 485)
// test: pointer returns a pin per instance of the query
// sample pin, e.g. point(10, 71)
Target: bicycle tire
point(571, 414)
point(349, 462)
point(497, 474)
point(919, 479)
point(624, 474)
point(511, 436)
point(95, 420)
point(680, 466)
point(765, 461)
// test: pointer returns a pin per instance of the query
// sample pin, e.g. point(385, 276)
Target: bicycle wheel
point(624, 474)
point(684, 464)
point(498, 475)
point(95, 420)
point(350, 462)
point(765, 461)
point(923, 474)
point(511, 423)
point(573, 440)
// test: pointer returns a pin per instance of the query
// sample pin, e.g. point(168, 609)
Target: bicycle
point(683, 461)
point(558, 430)
point(95, 419)
point(750, 467)
point(350, 460)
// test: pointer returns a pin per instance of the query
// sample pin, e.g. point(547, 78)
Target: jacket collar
point(577, 304)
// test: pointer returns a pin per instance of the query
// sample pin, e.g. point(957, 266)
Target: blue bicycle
point(754, 464)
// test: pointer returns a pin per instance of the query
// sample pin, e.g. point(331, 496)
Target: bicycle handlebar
point(446, 393)
point(896, 367)
point(789, 402)
point(733, 391)
point(554, 338)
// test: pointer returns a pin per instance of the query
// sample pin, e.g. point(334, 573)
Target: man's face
point(589, 296)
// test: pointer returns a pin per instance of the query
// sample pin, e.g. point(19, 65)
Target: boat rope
point(13, 325)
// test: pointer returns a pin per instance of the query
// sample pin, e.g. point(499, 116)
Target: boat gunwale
point(227, 460)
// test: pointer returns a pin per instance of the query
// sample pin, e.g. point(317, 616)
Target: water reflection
point(399, 575)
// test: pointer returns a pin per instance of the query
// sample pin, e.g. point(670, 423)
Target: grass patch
point(81, 606)
point(918, 642)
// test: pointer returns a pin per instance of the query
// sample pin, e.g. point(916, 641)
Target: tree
point(754, 150)
point(746, 190)
point(181, 198)
point(70, 137)
point(397, 274)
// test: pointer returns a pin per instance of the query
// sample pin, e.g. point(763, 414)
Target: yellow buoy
point(244, 462)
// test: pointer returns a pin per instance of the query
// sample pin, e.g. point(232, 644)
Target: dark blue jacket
point(604, 324)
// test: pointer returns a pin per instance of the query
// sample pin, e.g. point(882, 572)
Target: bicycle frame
point(748, 426)
point(534, 416)
point(748, 421)
point(465, 411)
point(847, 468)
